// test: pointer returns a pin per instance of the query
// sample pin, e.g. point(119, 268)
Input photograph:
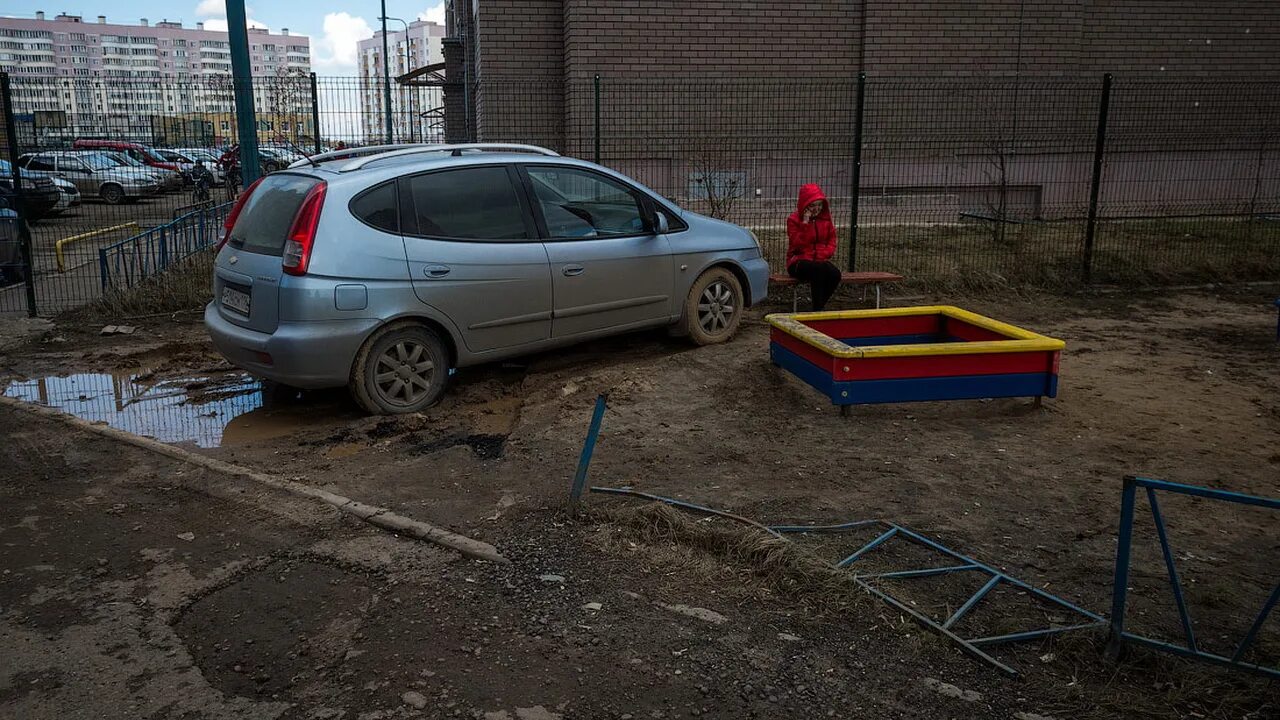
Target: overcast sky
point(334, 27)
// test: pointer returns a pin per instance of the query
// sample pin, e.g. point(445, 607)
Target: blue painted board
point(960, 387)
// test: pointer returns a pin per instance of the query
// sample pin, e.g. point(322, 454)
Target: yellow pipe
point(57, 247)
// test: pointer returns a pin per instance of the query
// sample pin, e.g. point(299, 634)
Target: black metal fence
point(959, 182)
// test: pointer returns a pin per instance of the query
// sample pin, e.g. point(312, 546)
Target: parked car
point(273, 160)
point(69, 196)
point(93, 173)
point(166, 179)
point(39, 194)
point(139, 152)
point(210, 160)
point(12, 268)
point(383, 270)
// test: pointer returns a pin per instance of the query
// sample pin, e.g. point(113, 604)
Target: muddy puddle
point(209, 412)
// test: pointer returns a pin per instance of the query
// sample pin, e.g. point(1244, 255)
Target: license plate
point(236, 300)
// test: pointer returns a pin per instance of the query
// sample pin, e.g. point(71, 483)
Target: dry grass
point(717, 549)
point(186, 286)
point(970, 258)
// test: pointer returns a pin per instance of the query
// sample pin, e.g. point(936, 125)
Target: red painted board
point(970, 332)
point(820, 359)
point(923, 366)
point(877, 326)
point(1057, 358)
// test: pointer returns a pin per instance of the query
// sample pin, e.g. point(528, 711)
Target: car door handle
point(436, 271)
point(572, 270)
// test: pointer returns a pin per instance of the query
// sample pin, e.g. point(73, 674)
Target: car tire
point(401, 369)
point(111, 194)
point(714, 307)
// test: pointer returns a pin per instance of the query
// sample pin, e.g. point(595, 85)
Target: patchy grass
point(681, 545)
point(186, 287)
point(971, 257)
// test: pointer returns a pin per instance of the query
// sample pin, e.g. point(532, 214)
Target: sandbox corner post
point(584, 460)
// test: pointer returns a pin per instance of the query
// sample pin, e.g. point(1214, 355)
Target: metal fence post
point(1095, 185)
point(855, 181)
point(588, 447)
point(315, 117)
point(24, 232)
point(1120, 583)
point(595, 157)
point(242, 88)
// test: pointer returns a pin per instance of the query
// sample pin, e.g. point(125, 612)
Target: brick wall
point(520, 71)
point(961, 97)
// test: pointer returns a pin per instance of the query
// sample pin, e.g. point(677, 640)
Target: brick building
point(963, 100)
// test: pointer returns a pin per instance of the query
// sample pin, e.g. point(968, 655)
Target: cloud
point(434, 14)
point(335, 50)
point(211, 8)
point(220, 24)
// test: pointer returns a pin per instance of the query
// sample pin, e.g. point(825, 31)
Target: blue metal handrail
point(134, 259)
point(1120, 583)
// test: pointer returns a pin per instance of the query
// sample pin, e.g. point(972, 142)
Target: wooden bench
point(874, 279)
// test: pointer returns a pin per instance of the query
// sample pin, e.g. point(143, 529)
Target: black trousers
point(823, 279)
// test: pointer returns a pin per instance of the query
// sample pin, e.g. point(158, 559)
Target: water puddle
point(209, 412)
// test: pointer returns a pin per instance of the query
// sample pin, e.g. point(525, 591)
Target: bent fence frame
point(1189, 647)
point(130, 261)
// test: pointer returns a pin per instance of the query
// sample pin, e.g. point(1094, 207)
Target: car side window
point(582, 204)
point(377, 207)
point(474, 203)
point(40, 162)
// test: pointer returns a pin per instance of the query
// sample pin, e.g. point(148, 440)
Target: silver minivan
point(384, 268)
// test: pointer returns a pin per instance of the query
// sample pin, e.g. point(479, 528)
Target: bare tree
point(720, 188)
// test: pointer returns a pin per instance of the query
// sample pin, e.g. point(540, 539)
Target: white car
point(68, 196)
point(210, 160)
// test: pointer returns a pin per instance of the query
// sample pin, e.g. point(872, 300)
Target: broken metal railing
point(1120, 592)
point(972, 646)
point(130, 261)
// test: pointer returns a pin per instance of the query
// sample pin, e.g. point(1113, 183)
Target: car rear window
point(264, 220)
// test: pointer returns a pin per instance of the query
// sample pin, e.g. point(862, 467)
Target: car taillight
point(235, 213)
point(302, 233)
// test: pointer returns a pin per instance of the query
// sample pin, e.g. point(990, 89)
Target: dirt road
point(281, 609)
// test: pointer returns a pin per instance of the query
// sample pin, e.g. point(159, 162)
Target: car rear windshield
point(264, 221)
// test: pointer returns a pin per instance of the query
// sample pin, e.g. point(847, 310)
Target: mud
point(1181, 387)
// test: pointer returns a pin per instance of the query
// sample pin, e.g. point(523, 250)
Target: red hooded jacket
point(814, 240)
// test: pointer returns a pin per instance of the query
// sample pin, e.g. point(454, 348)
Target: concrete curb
point(378, 516)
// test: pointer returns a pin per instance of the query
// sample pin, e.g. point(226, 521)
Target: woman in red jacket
point(811, 242)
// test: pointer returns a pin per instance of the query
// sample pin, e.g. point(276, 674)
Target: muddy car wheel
point(402, 369)
point(713, 309)
point(111, 194)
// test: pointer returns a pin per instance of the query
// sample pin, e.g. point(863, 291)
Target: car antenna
point(304, 155)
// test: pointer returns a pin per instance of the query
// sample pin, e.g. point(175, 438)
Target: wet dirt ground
point(279, 609)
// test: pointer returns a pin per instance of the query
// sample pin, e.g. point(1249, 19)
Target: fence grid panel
point(964, 182)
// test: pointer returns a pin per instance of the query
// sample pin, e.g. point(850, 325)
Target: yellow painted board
point(1020, 340)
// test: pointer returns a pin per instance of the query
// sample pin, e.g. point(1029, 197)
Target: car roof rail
point(456, 149)
point(349, 152)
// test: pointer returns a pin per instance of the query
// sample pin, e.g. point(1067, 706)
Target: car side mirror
point(660, 224)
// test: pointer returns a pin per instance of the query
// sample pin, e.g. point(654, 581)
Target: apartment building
point(146, 80)
point(415, 112)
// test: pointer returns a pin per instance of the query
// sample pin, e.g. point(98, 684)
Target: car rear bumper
point(304, 355)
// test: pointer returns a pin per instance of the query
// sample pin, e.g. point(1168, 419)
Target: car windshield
point(151, 154)
point(173, 155)
point(124, 159)
point(99, 161)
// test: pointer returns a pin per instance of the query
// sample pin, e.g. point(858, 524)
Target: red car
point(141, 153)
